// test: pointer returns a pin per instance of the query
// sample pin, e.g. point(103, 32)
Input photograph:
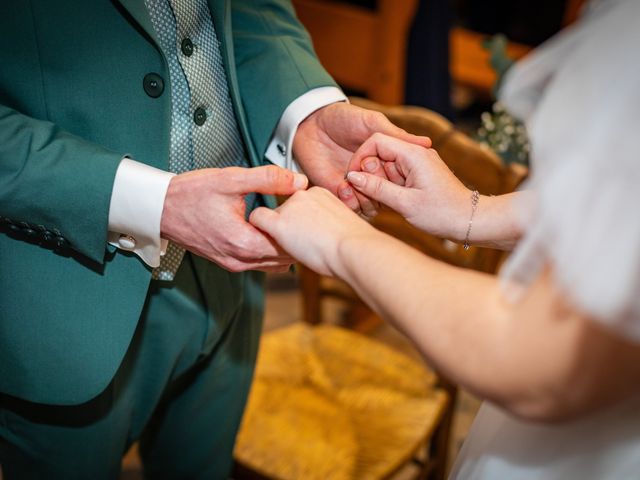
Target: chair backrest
point(477, 167)
point(364, 49)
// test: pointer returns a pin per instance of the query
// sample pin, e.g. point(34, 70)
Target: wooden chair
point(364, 49)
point(328, 402)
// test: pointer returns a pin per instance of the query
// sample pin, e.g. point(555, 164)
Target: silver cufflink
point(127, 242)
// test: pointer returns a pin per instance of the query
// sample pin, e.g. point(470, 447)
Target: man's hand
point(204, 211)
point(326, 141)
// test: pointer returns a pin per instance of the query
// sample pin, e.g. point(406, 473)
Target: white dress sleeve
point(585, 138)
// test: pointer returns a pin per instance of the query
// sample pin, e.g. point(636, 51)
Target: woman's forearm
point(534, 360)
point(449, 313)
point(538, 357)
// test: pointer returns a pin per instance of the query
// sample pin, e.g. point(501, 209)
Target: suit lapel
point(138, 11)
point(221, 14)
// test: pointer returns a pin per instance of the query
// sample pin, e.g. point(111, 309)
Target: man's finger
point(278, 269)
point(235, 265)
point(377, 188)
point(368, 207)
point(380, 123)
point(415, 139)
point(269, 180)
point(348, 196)
point(373, 165)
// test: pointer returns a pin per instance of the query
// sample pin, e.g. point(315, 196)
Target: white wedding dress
point(579, 95)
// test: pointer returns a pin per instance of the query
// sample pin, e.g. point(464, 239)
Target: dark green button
point(153, 85)
point(200, 116)
point(187, 47)
point(60, 242)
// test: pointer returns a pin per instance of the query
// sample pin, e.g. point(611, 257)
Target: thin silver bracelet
point(475, 198)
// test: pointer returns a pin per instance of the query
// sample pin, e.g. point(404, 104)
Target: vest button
point(187, 47)
point(153, 85)
point(200, 116)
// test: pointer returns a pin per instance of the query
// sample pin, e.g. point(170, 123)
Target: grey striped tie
point(201, 104)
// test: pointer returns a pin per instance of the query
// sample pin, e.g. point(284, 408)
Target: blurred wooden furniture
point(330, 403)
point(469, 61)
point(364, 49)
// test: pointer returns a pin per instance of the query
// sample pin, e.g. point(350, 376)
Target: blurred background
point(426, 52)
point(339, 394)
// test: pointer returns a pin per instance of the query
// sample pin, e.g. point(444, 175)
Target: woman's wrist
point(350, 252)
point(492, 224)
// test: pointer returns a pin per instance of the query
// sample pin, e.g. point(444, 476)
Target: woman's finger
point(378, 189)
point(393, 174)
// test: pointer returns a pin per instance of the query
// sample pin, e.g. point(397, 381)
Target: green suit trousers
point(181, 390)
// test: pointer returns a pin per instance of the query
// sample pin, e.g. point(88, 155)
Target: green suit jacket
point(72, 104)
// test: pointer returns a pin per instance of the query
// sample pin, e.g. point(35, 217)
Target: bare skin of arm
point(540, 358)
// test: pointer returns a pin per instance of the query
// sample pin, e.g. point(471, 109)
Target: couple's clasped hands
point(408, 177)
point(204, 210)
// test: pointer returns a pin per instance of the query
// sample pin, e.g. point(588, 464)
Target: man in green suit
point(131, 128)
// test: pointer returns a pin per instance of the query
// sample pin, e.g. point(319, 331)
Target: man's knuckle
point(375, 119)
point(244, 248)
point(370, 212)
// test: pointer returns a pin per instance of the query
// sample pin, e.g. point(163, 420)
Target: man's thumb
point(272, 180)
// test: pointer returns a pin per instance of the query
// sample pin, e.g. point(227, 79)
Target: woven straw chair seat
point(329, 403)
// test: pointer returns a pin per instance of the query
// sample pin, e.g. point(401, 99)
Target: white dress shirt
point(139, 190)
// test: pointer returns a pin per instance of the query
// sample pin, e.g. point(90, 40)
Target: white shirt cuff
point(279, 149)
point(136, 207)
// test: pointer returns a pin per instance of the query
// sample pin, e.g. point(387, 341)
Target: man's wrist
point(135, 210)
point(279, 151)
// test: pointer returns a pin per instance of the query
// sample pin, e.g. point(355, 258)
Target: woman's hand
point(310, 226)
point(326, 141)
point(420, 187)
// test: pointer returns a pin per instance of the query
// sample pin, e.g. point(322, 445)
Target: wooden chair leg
point(439, 445)
point(310, 287)
point(242, 472)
